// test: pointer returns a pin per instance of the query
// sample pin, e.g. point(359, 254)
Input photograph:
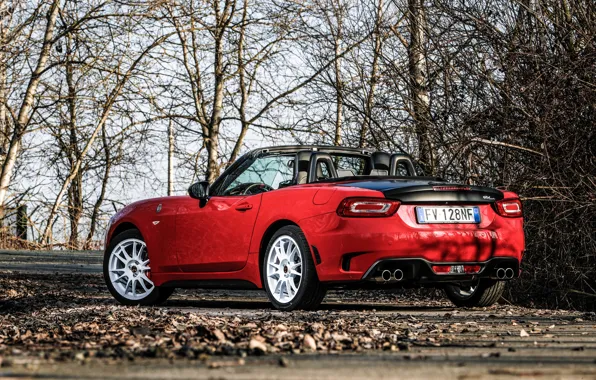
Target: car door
point(215, 237)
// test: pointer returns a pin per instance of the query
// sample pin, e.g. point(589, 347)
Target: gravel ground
point(63, 323)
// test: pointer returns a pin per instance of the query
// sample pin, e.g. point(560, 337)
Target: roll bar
point(315, 159)
point(399, 158)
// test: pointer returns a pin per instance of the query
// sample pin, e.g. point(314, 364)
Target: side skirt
point(211, 284)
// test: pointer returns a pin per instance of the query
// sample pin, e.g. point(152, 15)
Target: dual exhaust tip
point(397, 275)
point(503, 273)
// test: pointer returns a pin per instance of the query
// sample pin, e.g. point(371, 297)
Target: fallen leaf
point(219, 335)
point(309, 342)
point(257, 345)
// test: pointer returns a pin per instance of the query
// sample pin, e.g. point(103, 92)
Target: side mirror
point(199, 190)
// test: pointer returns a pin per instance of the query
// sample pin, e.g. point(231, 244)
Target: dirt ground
point(57, 320)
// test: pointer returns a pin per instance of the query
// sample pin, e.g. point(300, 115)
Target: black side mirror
point(199, 190)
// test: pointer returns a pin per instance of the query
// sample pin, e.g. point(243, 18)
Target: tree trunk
point(102, 193)
point(170, 158)
point(243, 88)
point(4, 122)
point(75, 191)
point(418, 87)
point(75, 210)
point(212, 140)
point(370, 98)
point(22, 222)
point(339, 96)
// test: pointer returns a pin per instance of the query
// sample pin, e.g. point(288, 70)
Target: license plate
point(449, 214)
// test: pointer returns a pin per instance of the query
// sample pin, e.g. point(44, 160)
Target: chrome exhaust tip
point(500, 273)
point(509, 273)
point(398, 275)
point(386, 275)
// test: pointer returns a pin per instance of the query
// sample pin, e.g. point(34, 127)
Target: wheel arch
point(121, 227)
point(270, 231)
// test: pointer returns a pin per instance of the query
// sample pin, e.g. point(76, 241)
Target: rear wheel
point(478, 294)
point(127, 271)
point(289, 274)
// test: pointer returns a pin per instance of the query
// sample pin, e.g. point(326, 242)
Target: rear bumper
point(348, 249)
point(420, 270)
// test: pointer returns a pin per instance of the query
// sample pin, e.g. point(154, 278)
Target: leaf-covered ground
point(72, 318)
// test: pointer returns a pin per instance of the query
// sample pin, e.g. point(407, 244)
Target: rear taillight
point(367, 207)
point(510, 208)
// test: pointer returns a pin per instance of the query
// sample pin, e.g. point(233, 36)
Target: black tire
point(316, 301)
point(311, 291)
point(487, 293)
point(157, 296)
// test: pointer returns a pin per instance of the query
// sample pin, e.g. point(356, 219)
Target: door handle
point(244, 206)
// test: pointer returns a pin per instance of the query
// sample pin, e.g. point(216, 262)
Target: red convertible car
point(298, 220)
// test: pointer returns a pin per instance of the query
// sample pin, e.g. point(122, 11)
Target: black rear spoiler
point(378, 177)
point(441, 192)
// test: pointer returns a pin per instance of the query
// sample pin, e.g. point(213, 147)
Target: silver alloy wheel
point(128, 268)
point(284, 269)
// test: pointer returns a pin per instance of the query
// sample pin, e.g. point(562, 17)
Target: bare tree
point(124, 74)
point(211, 61)
point(22, 115)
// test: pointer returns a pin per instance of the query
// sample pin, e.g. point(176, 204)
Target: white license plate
point(449, 214)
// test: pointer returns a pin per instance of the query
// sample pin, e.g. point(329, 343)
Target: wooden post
point(22, 222)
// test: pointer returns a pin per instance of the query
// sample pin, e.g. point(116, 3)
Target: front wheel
point(127, 271)
point(289, 273)
point(479, 294)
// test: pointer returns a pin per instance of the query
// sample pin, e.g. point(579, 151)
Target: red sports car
point(298, 220)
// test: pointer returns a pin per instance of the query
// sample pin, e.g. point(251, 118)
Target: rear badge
point(155, 222)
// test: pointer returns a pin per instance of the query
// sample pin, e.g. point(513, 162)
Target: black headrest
point(381, 160)
point(304, 161)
